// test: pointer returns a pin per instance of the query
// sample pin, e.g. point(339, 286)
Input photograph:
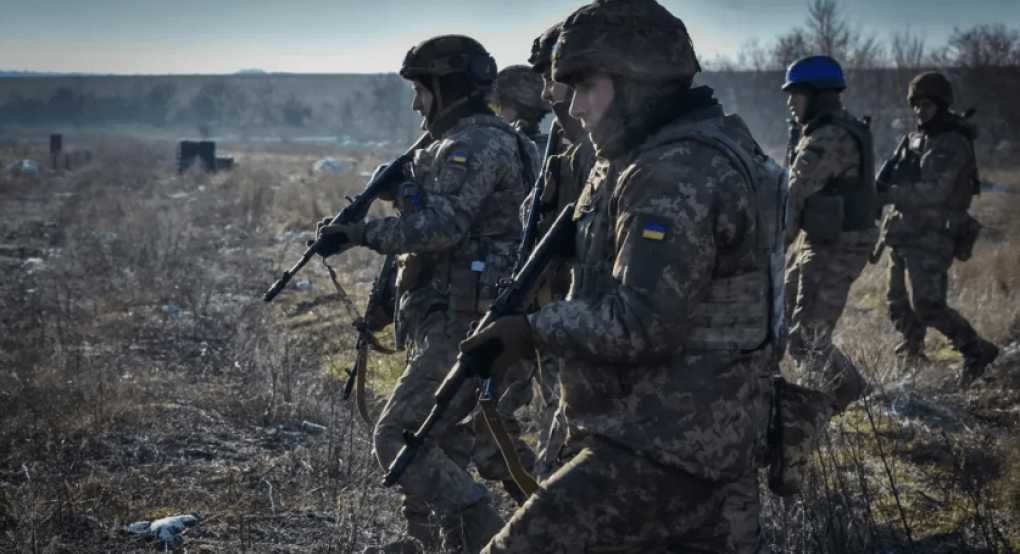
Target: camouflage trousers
point(437, 479)
point(608, 499)
point(818, 280)
point(918, 283)
point(742, 509)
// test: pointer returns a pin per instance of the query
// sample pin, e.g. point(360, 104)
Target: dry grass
point(920, 466)
point(142, 376)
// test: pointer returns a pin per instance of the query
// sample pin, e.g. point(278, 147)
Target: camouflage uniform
point(456, 235)
point(821, 269)
point(660, 384)
point(935, 178)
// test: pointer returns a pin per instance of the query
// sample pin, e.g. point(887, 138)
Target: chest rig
point(739, 312)
point(469, 272)
point(967, 183)
point(857, 195)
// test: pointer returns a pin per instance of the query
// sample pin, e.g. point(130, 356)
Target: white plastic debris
point(22, 167)
point(304, 284)
point(167, 529)
point(173, 309)
point(331, 164)
point(312, 428)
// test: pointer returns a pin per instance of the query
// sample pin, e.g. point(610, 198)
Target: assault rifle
point(530, 234)
point(510, 301)
point(380, 295)
point(353, 212)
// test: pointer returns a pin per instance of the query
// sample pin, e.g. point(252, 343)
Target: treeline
point(220, 102)
point(367, 107)
point(826, 31)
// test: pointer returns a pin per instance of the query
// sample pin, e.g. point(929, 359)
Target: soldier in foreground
point(455, 236)
point(933, 179)
point(661, 392)
point(521, 103)
point(831, 217)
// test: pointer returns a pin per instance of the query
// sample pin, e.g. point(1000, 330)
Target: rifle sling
point(520, 475)
point(366, 341)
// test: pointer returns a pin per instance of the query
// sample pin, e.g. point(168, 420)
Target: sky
point(158, 37)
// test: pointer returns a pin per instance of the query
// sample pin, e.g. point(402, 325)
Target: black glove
point(498, 346)
point(337, 238)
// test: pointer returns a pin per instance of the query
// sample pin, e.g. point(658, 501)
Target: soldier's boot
point(470, 530)
point(421, 536)
point(911, 351)
point(977, 356)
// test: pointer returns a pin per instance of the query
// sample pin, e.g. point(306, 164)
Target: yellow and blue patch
point(460, 156)
point(653, 231)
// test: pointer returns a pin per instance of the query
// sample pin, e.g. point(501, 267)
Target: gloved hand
point(338, 238)
point(499, 345)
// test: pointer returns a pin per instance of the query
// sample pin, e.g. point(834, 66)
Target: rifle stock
point(510, 301)
point(351, 213)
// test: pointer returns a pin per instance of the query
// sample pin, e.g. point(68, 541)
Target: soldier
point(831, 215)
point(932, 181)
point(521, 103)
point(455, 236)
point(665, 332)
point(565, 175)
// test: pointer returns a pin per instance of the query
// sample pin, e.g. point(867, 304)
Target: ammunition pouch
point(967, 232)
point(799, 415)
point(474, 286)
point(823, 216)
point(734, 314)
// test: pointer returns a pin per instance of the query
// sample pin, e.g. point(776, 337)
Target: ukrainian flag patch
point(460, 156)
point(653, 231)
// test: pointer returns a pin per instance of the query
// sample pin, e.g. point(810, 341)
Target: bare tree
point(907, 50)
point(791, 47)
point(982, 46)
point(755, 57)
point(829, 34)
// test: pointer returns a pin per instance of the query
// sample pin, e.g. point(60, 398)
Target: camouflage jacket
point(565, 176)
point(939, 166)
point(469, 184)
point(655, 227)
point(458, 211)
point(534, 134)
point(829, 157)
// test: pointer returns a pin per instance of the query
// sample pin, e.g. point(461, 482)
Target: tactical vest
point(740, 312)
point(859, 196)
point(967, 183)
point(471, 271)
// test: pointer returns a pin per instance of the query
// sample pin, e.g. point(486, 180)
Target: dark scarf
point(637, 112)
point(946, 121)
point(474, 105)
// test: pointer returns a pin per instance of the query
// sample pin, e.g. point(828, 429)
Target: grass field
point(142, 376)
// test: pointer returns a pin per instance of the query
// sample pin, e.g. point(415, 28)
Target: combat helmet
point(638, 39)
point(447, 54)
point(816, 74)
point(541, 49)
point(520, 85)
point(932, 85)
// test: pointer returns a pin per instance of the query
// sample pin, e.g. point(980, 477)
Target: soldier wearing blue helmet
point(831, 220)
